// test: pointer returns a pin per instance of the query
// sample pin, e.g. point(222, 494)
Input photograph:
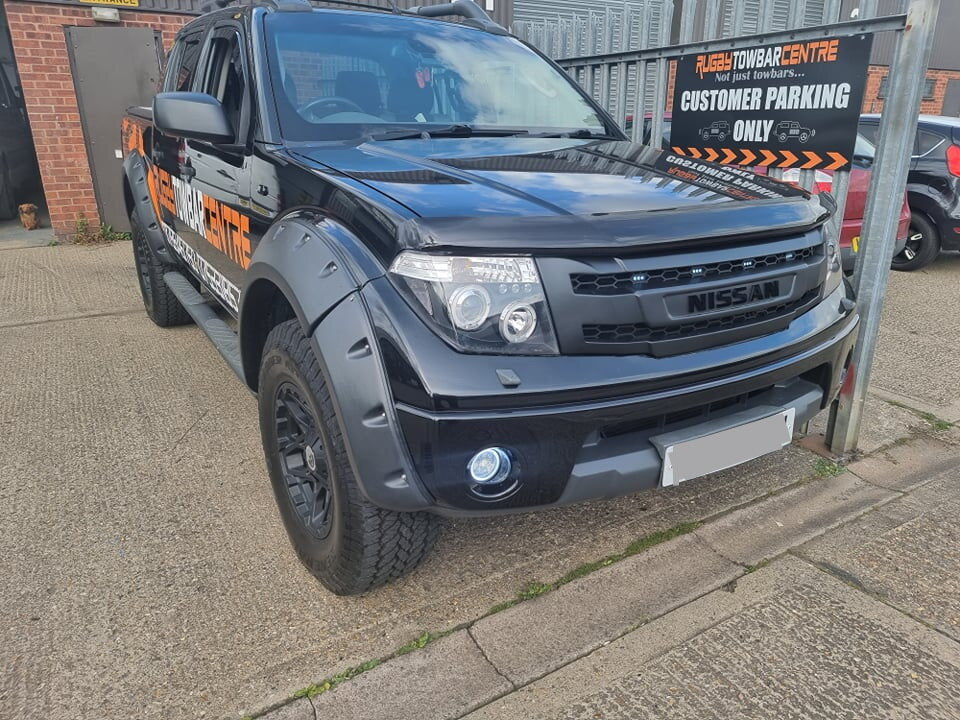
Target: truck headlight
point(482, 304)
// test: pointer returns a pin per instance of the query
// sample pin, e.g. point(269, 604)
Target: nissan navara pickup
point(454, 285)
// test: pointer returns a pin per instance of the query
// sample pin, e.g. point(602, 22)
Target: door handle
point(187, 172)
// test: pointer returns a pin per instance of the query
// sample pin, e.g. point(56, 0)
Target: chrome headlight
point(482, 304)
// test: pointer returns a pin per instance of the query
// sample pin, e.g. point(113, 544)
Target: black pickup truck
point(454, 285)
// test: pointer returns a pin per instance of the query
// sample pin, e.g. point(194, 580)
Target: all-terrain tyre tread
point(378, 545)
point(162, 306)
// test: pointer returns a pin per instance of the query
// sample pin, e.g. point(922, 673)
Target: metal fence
point(565, 28)
point(613, 76)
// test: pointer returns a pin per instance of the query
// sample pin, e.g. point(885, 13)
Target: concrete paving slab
point(906, 552)
point(300, 709)
point(772, 526)
point(905, 466)
point(40, 284)
point(917, 349)
point(787, 641)
point(883, 424)
point(579, 617)
point(14, 236)
point(449, 678)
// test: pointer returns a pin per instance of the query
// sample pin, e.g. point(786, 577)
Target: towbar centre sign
point(793, 104)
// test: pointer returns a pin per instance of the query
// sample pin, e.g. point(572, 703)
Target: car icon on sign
point(791, 129)
point(718, 129)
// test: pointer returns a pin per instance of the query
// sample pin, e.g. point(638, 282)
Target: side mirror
point(195, 116)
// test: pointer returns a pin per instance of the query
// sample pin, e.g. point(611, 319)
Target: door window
point(183, 62)
point(224, 77)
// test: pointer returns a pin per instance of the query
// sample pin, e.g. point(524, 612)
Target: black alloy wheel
point(142, 260)
point(349, 544)
point(303, 460)
point(159, 301)
point(922, 248)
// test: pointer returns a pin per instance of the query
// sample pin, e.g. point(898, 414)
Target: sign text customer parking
point(788, 105)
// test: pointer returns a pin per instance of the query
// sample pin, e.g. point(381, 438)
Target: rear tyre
point(158, 299)
point(923, 245)
point(8, 201)
point(349, 544)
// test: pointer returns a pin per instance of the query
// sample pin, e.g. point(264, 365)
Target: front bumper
point(578, 452)
point(578, 427)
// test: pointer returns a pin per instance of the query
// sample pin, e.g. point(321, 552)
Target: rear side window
point(183, 62)
point(927, 141)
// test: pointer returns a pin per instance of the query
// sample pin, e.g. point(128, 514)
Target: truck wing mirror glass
point(195, 116)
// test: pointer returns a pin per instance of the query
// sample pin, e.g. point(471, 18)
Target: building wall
point(943, 53)
point(873, 103)
point(41, 51)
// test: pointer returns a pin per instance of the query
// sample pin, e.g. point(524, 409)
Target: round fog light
point(517, 322)
point(469, 307)
point(489, 466)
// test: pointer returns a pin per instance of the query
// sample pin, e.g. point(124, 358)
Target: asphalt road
point(144, 571)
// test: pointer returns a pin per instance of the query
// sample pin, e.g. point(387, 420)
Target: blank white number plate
point(704, 455)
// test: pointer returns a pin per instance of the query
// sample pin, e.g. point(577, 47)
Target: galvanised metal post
point(898, 125)
point(660, 82)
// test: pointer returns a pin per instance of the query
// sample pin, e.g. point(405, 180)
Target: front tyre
point(158, 299)
point(923, 245)
point(350, 545)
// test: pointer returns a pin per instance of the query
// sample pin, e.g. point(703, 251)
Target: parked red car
point(863, 155)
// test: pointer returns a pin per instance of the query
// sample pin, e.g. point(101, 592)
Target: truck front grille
point(675, 302)
point(639, 332)
point(627, 282)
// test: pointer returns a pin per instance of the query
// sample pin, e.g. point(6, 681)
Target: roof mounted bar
point(368, 6)
point(472, 14)
point(281, 5)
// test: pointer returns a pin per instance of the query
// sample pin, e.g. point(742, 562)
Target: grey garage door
point(113, 68)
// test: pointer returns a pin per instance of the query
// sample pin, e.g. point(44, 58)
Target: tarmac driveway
point(144, 571)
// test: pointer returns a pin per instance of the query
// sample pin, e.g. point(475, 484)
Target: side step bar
point(220, 334)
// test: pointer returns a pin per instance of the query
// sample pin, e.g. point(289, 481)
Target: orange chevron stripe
point(678, 150)
point(788, 159)
point(728, 156)
point(748, 157)
point(838, 161)
point(696, 153)
point(768, 157)
point(814, 159)
point(712, 154)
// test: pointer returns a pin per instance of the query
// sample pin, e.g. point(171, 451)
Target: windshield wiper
point(456, 130)
point(577, 133)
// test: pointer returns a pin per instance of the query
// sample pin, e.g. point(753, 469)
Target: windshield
point(341, 75)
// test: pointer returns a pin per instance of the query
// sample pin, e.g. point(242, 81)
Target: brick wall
point(40, 47)
point(872, 103)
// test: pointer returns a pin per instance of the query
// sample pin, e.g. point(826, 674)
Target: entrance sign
point(793, 104)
